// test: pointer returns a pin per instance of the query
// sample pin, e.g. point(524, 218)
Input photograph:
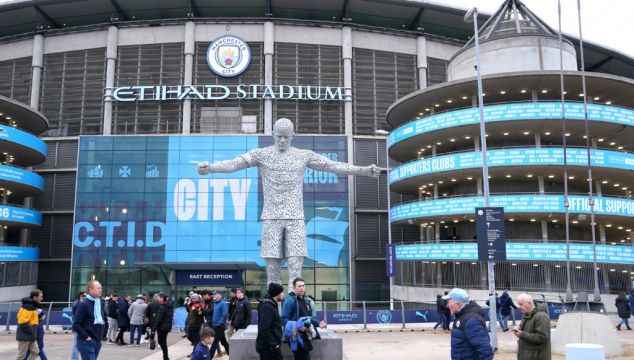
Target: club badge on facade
point(228, 56)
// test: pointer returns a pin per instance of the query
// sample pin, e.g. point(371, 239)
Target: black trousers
point(219, 338)
point(272, 354)
point(301, 354)
point(194, 335)
point(120, 334)
point(162, 341)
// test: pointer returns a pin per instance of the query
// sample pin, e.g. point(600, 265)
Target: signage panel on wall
point(15, 253)
point(208, 277)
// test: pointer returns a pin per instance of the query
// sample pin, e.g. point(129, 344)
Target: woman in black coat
point(123, 321)
point(624, 310)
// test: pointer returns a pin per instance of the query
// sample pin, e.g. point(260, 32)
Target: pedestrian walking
point(507, 307)
point(41, 317)
point(296, 308)
point(150, 314)
point(221, 312)
point(74, 353)
point(441, 307)
point(269, 339)
point(26, 333)
point(111, 313)
point(232, 308)
point(136, 313)
point(88, 322)
point(624, 310)
point(533, 333)
point(195, 317)
point(447, 314)
point(162, 322)
point(241, 317)
point(498, 314)
point(123, 320)
point(469, 336)
point(208, 301)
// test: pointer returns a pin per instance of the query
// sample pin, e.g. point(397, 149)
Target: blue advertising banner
point(20, 215)
point(510, 112)
point(23, 138)
point(513, 204)
point(617, 254)
point(140, 199)
point(513, 157)
point(14, 253)
point(11, 173)
point(208, 277)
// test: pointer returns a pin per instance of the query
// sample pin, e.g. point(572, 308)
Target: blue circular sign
point(228, 56)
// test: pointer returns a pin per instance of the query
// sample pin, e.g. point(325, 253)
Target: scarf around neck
point(97, 309)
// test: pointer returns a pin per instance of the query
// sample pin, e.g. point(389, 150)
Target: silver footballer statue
point(281, 168)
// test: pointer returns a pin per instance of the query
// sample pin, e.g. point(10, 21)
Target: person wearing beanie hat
point(269, 340)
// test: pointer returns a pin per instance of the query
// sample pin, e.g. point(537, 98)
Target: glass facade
point(142, 212)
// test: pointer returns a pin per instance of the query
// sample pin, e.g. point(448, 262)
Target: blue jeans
point(41, 354)
point(136, 328)
point(500, 320)
point(89, 350)
point(74, 353)
point(625, 321)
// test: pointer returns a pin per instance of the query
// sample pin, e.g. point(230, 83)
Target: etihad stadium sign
point(228, 56)
point(222, 92)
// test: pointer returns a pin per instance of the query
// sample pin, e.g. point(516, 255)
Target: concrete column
point(189, 50)
point(538, 140)
point(534, 95)
point(547, 273)
point(421, 61)
point(594, 142)
point(476, 143)
point(111, 59)
point(37, 63)
point(435, 190)
point(433, 150)
point(602, 233)
point(544, 231)
point(479, 186)
point(269, 51)
point(474, 100)
point(540, 182)
point(597, 188)
point(346, 52)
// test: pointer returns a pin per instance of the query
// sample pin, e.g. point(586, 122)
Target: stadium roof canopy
point(23, 17)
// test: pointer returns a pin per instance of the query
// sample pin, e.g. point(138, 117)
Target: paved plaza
point(359, 344)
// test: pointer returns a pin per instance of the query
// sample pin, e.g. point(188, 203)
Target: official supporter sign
point(228, 56)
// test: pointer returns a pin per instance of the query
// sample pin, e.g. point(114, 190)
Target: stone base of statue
point(242, 345)
point(586, 327)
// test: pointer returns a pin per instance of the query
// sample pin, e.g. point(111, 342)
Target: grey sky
point(609, 23)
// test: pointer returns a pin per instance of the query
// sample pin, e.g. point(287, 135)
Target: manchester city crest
point(228, 56)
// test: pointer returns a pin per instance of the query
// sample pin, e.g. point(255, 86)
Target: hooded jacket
point(136, 312)
point(27, 321)
point(164, 317)
point(623, 307)
point(506, 304)
point(469, 336)
point(269, 325)
point(123, 320)
point(220, 313)
point(534, 343)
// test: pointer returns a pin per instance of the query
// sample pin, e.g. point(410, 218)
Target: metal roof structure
point(23, 18)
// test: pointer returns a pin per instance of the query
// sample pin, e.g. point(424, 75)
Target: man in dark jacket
point(533, 333)
point(232, 308)
point(88, 322)
point(498, 314)
point(507, 307)
point(623, 310)
point(123, 321)
point(469, 337)
point(241, 317)
point(219, 323)
point(441, 306)
point(162, 322)
point(195, 319)
point(150, 313)
point(26, 333)
point(111, 313)
point(269, 340)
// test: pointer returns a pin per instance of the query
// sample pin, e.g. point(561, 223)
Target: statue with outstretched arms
point(281, 168)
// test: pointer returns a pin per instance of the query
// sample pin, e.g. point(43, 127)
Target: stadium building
point(129, 95)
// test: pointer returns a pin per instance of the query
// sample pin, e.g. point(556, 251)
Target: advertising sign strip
point(20, 215)
point(617, 254)
point(14, 253)
point(208, 277)
point(510, 112)
point(11, 173)
point(513, 204)
point(514, 157)
point(8, 133)
point(390, 263)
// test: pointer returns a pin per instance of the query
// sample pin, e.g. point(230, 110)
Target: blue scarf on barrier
point(97, 309)
point(291, 331)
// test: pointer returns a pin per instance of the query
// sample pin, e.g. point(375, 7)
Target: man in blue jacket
point(88, 322)
point(219, 324)
point(469, 336)
point(297, 305)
